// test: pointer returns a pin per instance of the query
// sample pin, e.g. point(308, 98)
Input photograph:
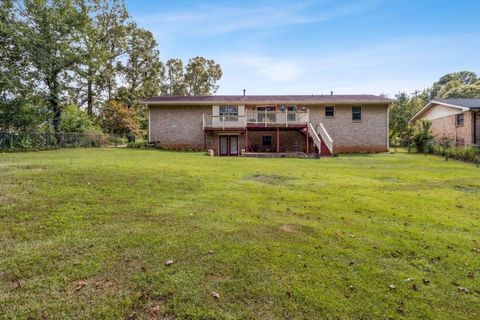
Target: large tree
point(201, 76)
point(451, 81)
point(143, 72)
point(102, 42)
point(51, 32)
point(174, 84)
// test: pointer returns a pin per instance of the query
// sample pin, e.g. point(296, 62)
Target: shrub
point(423, 139)
point(141, 145)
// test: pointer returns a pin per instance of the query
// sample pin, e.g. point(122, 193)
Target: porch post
point(246, 139)
point(204, 140)
point(278, 140)
point(307, 135)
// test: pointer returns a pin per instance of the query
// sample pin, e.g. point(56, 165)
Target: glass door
point(223, 145)
point(233, 150)
point(228, 145)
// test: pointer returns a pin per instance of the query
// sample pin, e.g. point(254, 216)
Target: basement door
point(228, 145)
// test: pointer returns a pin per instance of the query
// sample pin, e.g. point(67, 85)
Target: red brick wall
point(446, 127)
point(477, 140)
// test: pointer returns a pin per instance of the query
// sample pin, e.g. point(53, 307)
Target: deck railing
point(224, 122)
point(274, 117)
point(266, 118)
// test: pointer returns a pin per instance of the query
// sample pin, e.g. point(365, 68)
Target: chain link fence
point(30, 141)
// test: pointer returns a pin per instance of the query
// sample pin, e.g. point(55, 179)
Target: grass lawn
point(85, 233)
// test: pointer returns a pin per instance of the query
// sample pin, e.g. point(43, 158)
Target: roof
point(461, 104)
point(466, 103)
point(265, 99)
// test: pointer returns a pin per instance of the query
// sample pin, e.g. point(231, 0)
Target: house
point(457, 120)
point(280, 124)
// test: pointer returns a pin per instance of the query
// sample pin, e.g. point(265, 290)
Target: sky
point(318, 46)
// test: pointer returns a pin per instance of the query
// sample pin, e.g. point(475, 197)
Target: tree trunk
point(55, 104)
point(90, 97)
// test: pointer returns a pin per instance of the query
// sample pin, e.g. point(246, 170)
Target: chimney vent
point(244, 92)
point(331, 93)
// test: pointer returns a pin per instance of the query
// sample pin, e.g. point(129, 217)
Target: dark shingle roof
point(307, 99)
point(466, 103)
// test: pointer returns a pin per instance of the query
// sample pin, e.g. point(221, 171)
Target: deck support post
point(278, 140)
point(308, 140)
point(246, 139)
point(204, 140)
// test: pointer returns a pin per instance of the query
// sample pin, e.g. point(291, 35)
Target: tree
point(201, 76)
point(75, 119)
point(51, 31)
point(117, 118)
point(143, 71)
point(451, 81)
point(174, 84)
point(23, 115)
point(423, 137)
point(401, 111)
point(466, 91)
point(102, 42)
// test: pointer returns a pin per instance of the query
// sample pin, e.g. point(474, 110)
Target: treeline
point(463, 84)
point(75, 66)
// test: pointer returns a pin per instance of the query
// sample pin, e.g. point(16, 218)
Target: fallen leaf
point(210, 252)
point(463, 289)
point(409, 279)
point(392, 287)
point(81, 284)
point(168, 262)
point(470, 274)
point(154, 311)
point(97, 283)
point(215, 295)
point(414, 287)
point(426, 281)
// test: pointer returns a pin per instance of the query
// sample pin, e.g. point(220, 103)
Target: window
point(357, 113)
point(228, 113)
point(460, 119)
point(329, 111)
point(266, 141)
point(292, 113)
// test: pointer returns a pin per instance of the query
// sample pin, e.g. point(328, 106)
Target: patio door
point(228, 145)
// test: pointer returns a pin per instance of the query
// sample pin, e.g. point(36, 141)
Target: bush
point(468, 154)
point(141, 145)
point(423, 139)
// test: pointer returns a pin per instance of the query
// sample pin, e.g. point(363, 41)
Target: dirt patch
point(270, 178)
point(467, 189)
point(389, 179)
point(287, 228)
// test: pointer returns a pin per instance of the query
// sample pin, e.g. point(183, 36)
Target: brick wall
point(178, 126)
point(477, 140)
point(445, 127)
point(368, 135)
point(181, 127)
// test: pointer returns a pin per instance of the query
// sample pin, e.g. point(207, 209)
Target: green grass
point(275, 238)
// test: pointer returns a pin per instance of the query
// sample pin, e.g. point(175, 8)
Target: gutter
point(209, 103)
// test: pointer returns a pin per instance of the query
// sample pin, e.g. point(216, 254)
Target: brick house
point(457, 120)
point(278, 125)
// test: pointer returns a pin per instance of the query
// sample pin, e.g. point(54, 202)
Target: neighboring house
point(247, 124)
point(457, 120)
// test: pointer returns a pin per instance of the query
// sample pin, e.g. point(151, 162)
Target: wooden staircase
point(323, 143)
